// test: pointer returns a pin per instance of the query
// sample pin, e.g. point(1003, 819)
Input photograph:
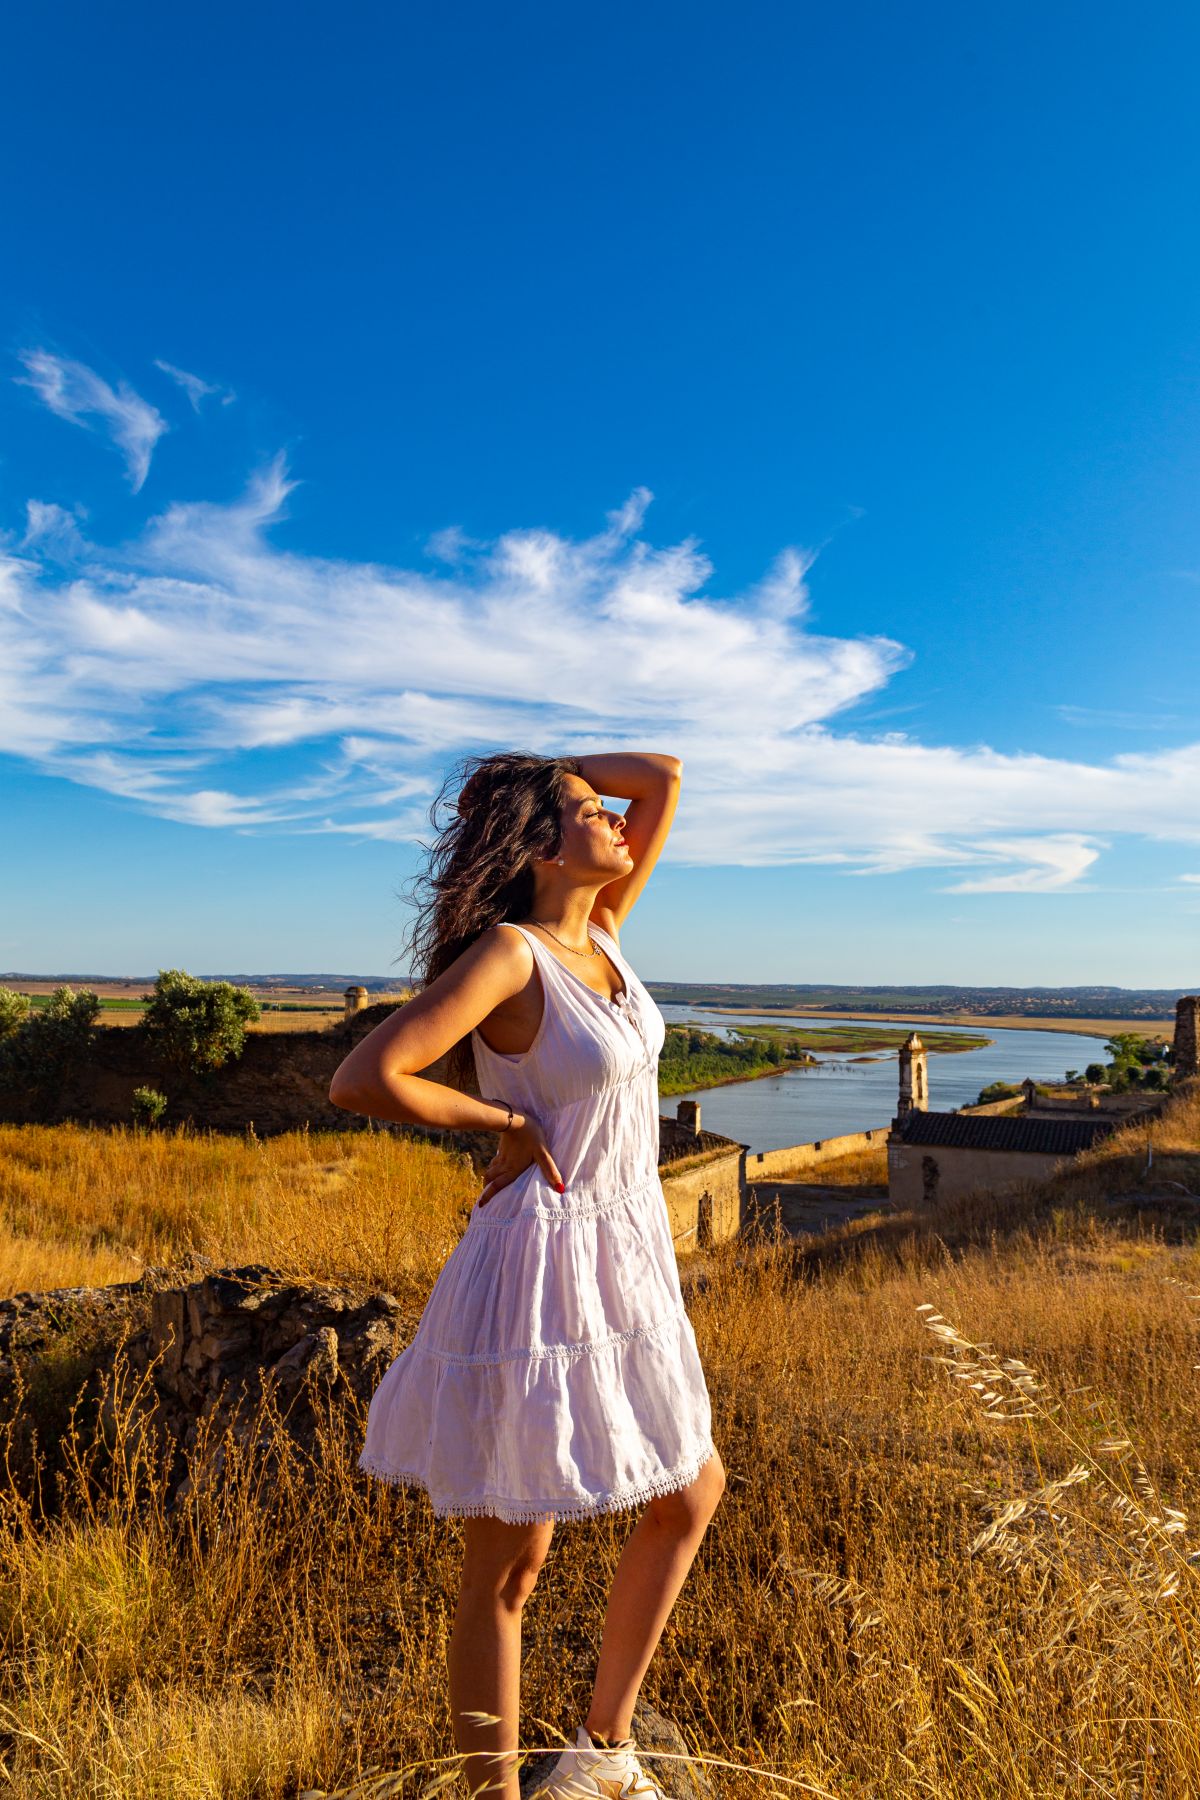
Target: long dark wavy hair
point(495, 817)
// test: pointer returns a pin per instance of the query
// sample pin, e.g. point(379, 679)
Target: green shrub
point(148, 1106)
point(997, 1090)
point(195, 1026)
point(38, 1058)
point(1095, 1074)
point(14, 1009)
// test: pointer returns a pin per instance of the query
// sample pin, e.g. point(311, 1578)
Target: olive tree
point(195, 1026)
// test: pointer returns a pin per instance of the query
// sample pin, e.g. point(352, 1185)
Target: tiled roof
point(1011, 1131)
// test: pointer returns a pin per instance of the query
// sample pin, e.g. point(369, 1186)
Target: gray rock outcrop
point(237, 1350)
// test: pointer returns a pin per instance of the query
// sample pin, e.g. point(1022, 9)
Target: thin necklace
point(594, 951)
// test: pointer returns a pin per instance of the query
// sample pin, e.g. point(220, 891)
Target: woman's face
point(593, 835)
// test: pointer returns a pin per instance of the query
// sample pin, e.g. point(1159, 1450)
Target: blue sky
point(812, 392)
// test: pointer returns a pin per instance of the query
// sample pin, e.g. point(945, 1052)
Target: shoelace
point(624, 1765)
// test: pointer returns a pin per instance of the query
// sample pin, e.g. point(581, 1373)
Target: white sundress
point(554, 1372)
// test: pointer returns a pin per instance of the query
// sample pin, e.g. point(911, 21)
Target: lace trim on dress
point(552, 1511)
point(569, 1207)
point(559, 1352)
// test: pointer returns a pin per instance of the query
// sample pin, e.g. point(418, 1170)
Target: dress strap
point(541, 955)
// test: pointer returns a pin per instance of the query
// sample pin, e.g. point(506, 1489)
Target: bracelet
point(508, 1109)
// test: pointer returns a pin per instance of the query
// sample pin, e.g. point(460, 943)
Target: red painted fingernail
point(560, 1187)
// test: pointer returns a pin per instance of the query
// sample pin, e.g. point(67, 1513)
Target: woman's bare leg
point(500, 1567)
point(652, 1569)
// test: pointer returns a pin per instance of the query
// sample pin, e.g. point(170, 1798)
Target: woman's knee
point(506, 1563)
point(689, 1509)
point(521, 1578)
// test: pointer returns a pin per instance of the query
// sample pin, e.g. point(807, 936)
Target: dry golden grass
point(860, 1168)
point(80, 1206)
point(935, 1572)
point(274, 1022)
point(269, 1022)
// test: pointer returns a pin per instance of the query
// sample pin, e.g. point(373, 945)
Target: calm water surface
point(840, 1095)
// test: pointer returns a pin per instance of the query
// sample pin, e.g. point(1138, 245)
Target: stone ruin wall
point(279, 1083)
point(200, 1357)
point(763, 1165)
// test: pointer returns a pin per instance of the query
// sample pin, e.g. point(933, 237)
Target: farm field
point(125, 1004)
point(908, 1589)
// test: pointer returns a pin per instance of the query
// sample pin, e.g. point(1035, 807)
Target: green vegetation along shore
point(700, 1059)
point(693, 1059)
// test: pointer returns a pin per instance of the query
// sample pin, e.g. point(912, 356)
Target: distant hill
point(1145, 1004)
point(1157, 1004)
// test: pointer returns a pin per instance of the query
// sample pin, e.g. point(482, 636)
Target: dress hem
point(551, 1511)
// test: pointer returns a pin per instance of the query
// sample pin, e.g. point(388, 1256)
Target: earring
point(561, 861)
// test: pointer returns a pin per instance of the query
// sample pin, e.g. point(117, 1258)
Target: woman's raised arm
point(650, 783)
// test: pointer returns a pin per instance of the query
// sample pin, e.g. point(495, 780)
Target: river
point(841, 1095)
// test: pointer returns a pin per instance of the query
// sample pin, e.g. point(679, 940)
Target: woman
point(554, 1372)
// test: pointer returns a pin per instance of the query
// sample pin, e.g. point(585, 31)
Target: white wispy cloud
point(1054, 863)
point(74, 392)
point(174, 671)
point(1106, 718)
point(53, 528)
point(194, 386)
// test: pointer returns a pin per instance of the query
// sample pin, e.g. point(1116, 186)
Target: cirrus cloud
point(74, 392)
point(184, 670)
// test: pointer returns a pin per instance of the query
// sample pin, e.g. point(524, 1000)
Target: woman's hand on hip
point(520, 1147)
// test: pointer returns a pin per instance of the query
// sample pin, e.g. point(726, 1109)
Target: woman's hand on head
point(520, 1147)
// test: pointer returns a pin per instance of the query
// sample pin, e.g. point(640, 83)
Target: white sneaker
point(591, 1772)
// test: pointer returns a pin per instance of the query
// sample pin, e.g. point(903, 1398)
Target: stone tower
point(914, 1077)
point(356, 1000)
point(1187, 1037)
